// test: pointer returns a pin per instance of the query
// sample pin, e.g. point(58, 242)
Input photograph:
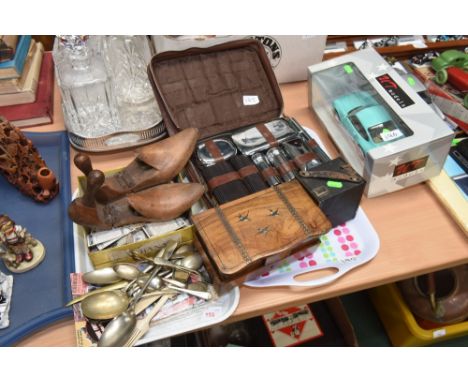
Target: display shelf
point(417, 236)
point(402, 51)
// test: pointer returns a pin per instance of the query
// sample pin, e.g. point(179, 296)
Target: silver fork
point(143, 325)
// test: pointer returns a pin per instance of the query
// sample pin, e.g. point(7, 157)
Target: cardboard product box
point(382, 127)
point(289, 55)
point(323, 323)
point(337, 198)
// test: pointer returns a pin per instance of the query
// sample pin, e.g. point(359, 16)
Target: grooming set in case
point(251, 159)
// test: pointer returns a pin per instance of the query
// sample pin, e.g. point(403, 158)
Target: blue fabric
point(39, 295)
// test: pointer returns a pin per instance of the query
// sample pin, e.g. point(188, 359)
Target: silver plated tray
point(119, 140)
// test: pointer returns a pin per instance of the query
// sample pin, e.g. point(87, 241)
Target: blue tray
point(39, 295)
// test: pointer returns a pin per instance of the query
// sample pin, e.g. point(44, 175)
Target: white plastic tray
point(207, 314)
point(345, 247)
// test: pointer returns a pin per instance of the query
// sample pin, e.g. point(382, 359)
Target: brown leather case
point(241, 234)
point(205, 87)
point(212, 89)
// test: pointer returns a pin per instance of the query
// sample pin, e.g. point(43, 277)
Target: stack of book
point(7, 47)
point(26, 82)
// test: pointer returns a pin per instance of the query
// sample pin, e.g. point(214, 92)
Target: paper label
point(6, 289)
point(213, 312)
point(292, 326)
point(99, 237)
point(391, 135)
point(250, 100)
point(439, 333)
point(414, 167)
point(394, 91)
point(408, 174)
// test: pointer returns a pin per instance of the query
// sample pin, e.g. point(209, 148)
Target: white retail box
point(383, 128)
point(289, 55)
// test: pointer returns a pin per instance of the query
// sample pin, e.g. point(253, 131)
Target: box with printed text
point(382, 127)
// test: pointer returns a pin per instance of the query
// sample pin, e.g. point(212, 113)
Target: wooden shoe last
point(155, 164)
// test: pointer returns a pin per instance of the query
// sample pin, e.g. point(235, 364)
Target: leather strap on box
point(247, 171)
point(269, 137)
point(285, 167)
point(302, 159)
point(213, 149)
point(312, 143)
point(223, 179)
point(269, 172)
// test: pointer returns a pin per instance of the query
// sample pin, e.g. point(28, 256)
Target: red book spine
point(43, 106)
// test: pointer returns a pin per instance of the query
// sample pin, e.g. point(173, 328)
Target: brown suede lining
point(205, 87)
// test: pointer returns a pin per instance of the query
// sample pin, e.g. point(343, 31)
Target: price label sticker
point(250, 100)
point(334, 184)
point(213, 312)
point(439, 333)
point(390, 135)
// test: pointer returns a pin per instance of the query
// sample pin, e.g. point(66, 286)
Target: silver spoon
point(184, 250)
point(105, 305)
point(196, 293)
point(120, 329)
point(155, 283)
point(127, 271)
point(193, 261)
point(168, 264)
point(118, 285)
point(103, 276)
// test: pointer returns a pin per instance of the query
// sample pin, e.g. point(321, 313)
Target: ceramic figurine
point(18, 249)
point(6, 285)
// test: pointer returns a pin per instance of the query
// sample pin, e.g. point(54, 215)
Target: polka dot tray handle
point(345, 247)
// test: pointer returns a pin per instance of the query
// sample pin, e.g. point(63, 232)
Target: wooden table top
point(416, 233)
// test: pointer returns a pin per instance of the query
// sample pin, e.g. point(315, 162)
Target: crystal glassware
point(126, 59)
point(87, 98)
point(107, 99)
